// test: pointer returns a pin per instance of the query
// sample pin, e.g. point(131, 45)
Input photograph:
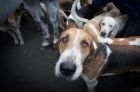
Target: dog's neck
point(124, 58)
point(120, 58)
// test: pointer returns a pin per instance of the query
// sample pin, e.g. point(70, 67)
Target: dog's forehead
point(76, 33)
point(108, 19)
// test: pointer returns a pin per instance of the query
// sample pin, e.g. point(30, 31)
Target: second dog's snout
point(67, 68)
point(103, 34)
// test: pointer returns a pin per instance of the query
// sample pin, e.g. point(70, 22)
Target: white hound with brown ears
point(110, 21)
point(93, 31)
point(80, 55)
point(109, 26)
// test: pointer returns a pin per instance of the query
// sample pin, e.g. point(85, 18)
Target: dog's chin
point(68, 78)
point(105, 36)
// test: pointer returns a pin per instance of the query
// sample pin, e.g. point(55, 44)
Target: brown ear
point(123, 18)
point(96, 61)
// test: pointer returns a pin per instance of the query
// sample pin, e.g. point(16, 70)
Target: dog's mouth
point(65, 77)
point(69, 65)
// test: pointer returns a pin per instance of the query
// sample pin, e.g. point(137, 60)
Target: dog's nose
point(103, 34)
point(67, 68)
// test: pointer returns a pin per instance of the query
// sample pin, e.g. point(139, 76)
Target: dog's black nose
point(103, 34)
point(67, 68)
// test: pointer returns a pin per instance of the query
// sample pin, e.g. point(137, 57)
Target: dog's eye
point(110, 26)
point(84, 44)
point(65, 39)
point(102, 23)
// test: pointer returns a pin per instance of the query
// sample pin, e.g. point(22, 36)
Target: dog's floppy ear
point(122, 20)
point(96, 50)
point(97, 59)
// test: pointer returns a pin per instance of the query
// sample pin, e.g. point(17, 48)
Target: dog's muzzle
point(69, 65)
point(103, 34)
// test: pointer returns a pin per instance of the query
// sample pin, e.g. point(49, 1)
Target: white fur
point(91, 83)
point(121, 39)
point(105, 40)
point(136, 42)
point(78, 5)
point(108, 53)
point(94, 45)
point(107, 25)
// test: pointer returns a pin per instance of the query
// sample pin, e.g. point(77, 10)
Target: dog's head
point(74, 46)
point(110, 26)
point(80, 55)
point(107, 25)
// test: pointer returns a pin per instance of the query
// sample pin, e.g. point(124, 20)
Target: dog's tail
point(74, 14)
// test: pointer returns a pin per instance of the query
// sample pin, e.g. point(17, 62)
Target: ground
point(28, 68)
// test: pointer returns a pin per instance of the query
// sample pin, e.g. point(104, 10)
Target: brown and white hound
point(80, 55)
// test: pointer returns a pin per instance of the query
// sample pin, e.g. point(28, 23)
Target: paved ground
point(29, 69)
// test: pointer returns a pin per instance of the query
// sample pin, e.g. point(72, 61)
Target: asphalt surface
point(28, 68)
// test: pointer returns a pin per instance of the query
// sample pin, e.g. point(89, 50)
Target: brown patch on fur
point(91, 29)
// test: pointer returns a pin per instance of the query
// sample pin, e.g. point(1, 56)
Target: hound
point(12, 25)
point(93, 31)
point(80, 55)
point(110, 27)
point(109, 20)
